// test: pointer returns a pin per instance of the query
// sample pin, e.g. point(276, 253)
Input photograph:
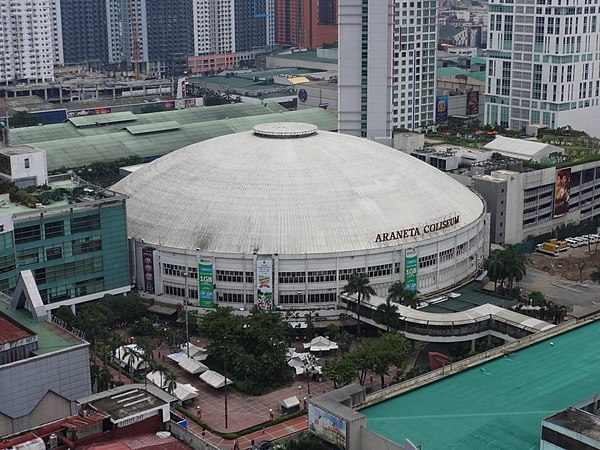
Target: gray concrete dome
point(290, 189)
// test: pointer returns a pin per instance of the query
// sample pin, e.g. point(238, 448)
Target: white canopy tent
point(321, 344)
point(156, 378)
point(192, 366)
point(214, 379)
point(177, 357)
point(194, 350)
point(298, 362)
point(185, 392)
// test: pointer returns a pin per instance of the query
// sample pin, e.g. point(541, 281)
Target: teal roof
point(477, 60)
point(101, 119)
point(153, 127)
point(499, 404)
point(21, 136)
point(79, 151)
point(50, 337)
point(453, 71)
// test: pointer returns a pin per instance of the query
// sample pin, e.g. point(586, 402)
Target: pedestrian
point(236, 445)
point(263, 429)
point(158, 355)
point(163, 358)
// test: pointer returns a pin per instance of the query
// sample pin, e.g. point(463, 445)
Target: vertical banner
point(410, 269)
point(264, 283)
point(206, 285)
point(472, 103)
point(562, 192)
point(441, 108)
point(148, 266)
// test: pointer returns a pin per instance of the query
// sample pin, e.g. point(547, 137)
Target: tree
point(130, 356)
point(411, 299)
point(495, 267)
point(537, 299)
point(358, 284)
point(171, 382)
point(595, 276)
point(163, 371)
point(397, 292)
point(387, 314)
point(24, 119)
point(341, 371)
point(254, 348)
point(391, 350)
point(514, 265)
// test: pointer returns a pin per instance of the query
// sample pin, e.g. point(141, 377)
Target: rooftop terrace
point(499, 404)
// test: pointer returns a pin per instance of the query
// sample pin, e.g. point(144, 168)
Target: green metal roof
point(477, 60)
point(98, 119)
point(50, 337)
point(79, 151)
point(499, 404)
point(153, 127)
point(21, 136)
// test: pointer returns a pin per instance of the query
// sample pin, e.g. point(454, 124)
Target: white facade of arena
point(450, 234)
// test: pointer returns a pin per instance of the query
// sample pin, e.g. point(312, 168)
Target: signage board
point(410, 269)
point(148, 268)
point(562, 192)
point(327, 426)
point(441, 108)
point(206, 284)
point(472, 103)
point(264, 283)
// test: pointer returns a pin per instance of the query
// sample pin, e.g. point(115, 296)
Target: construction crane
point(135, 42)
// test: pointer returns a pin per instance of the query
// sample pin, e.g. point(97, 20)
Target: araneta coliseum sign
point(417, 231)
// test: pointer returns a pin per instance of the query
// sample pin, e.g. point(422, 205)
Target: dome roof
point(291, 189)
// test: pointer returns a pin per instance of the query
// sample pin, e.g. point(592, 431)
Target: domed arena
point(283, 215)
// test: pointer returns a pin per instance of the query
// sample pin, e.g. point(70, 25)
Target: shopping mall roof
point(79, 151)
point(288, 188)
point(26, 135)
point(453, 72)
point(499, 404)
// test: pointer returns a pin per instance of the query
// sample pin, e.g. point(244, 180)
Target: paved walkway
point(271, 433)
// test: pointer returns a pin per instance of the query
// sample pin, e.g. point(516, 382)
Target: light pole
point(225, 375)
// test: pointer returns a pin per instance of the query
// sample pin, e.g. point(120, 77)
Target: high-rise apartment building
point(387, 63)
point(213, 27)
point(254, 24)
point(306, 23)
point(27, 34)
point(544, 64)
point(84, 32)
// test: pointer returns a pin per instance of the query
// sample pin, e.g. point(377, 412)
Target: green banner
point(410, 269)
point(206, 285)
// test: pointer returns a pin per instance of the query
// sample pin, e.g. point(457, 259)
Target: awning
point(321, 344)
point(185, 392)
point(193, 349)
point(177, 357)
point(192, 366)
point(214, 379)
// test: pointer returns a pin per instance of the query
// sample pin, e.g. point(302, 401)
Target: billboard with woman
point(562, 192)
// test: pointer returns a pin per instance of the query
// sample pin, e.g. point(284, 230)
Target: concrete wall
point(26, 383)
point(372, 441)
point(184, 435)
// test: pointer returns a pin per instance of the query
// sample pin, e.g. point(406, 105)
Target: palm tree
point(397, 292)
point(358, 283)
point(495, 267)
point(387, 314)
point(411, 299)
point(595, 276)
point(171, 382)
point(514, 265)
point(163, 374)
point(130, 356)
point(114, 342)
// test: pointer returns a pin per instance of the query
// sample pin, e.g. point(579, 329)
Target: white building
point(214, 27)
point(296, 211)
point(543, 62)
point(27, 37)
point(387, 61)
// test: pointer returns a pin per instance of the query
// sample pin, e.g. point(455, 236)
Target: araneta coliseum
point(284, 214)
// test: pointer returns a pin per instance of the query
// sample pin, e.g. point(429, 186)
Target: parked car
point(262, 445)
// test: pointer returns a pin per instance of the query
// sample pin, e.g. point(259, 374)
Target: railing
point(65, 326)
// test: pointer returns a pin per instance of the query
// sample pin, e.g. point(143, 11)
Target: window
point(86, 245)
point(27, 234)
point(292, 277)
point(345, 273)
point(175, 291)
point(321, 276)
point(322, 297)
point(230, 276)
point(446, 255)
point(54, 253)
point(179, 271)
point(229, 297)
point(54, 229)
point(426, 261)
point(85, 223)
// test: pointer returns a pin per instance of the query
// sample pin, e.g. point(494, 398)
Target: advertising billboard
point(562, 192)
point(410, 269)
point(206, 284)
point(327, 426)
point(441, 108)
point(472, 103)
point(148, 267)
point(264, 283)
